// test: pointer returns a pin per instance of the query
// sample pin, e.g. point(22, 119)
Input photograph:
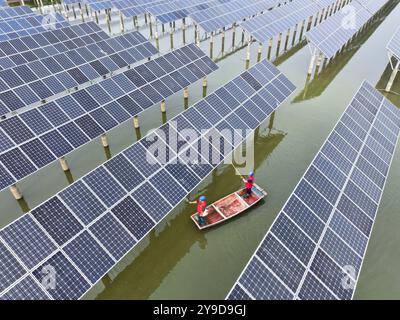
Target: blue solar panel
point(88, 256)
point(327, 221)
point(58, 222)
point(100, 217)
point(70, 284)
point(26, 289)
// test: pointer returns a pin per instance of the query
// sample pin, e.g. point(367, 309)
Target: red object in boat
point(230, 206)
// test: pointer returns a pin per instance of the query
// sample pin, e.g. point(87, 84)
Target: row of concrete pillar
point(104, 139)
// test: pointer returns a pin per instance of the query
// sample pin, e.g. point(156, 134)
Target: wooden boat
point(230, 206)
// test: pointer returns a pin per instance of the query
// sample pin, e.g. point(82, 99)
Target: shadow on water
point(144, 274)
point(316, 86)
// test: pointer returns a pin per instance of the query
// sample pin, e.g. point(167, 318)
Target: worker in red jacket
point(248, 184)
point(201, 210)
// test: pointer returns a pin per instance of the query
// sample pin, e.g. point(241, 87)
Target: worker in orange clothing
point(248, 184)
point(201, 210)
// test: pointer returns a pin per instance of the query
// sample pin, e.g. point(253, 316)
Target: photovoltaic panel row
point(269, 24)
point(134, 8)
point(316, 245)
point(38, 80)
point(41, 45)
point(332, 34)
point(3, 3)
point(84, 230)
point(373, 6)
point(13, 12)
point(37, 137)
point(179, 9)
point(20, 27)
point(226, 14)
point(394, 44)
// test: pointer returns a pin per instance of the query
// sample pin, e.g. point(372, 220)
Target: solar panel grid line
point(7, 32)
point(328, 222)
point(269, 24)
point(382, 101)
point(228, 13)
point(362, 15)
point(173, 207)
point(17, 11)
point(160, 169)
point(10, 63)
point(373, 223)
point(118, 39)
point(31, 85)
point(55, 129)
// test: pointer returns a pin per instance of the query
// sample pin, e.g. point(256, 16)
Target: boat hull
point(230, 206)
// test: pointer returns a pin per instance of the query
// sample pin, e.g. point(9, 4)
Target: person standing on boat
point(201, 208)
point(249, 184)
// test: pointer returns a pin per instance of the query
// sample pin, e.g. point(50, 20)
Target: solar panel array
point(226, 14)
point(179, 9)
point(98, 5)
point(12, 12)
point(39, 80)
point(37, 137)
point(3, 3)
point(30, 48)
point(20, 27)
point(83, 231)
point(133, 8)
point(316, 245)
point(332, 34)
point(394, 44)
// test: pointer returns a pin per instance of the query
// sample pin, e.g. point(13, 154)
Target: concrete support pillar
point(121, 17)
point(74, 12)
point(312, 62)
point(184, 31)
point(198, 37)
point(211, 45)
point(294, 34)
point(81, 12)
point(136, 124)
point(150, 27)
point(302, 29)
point(108, 23)
point(204, 87)
point(248, 53)
point(392, 77)
point(279, 44)
point(259, 52)
point(15, 192)
point(269, 49)
point(322, 15)
point(96, 17)
point(287, 39)
point(316, 19)
point(309, 23)
point(186, 97)
point(233, 36)
point(104, 140)
point(157, 41)
point(64, 164)
point(223, 42)
point(171, 38)
point(163, 106)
